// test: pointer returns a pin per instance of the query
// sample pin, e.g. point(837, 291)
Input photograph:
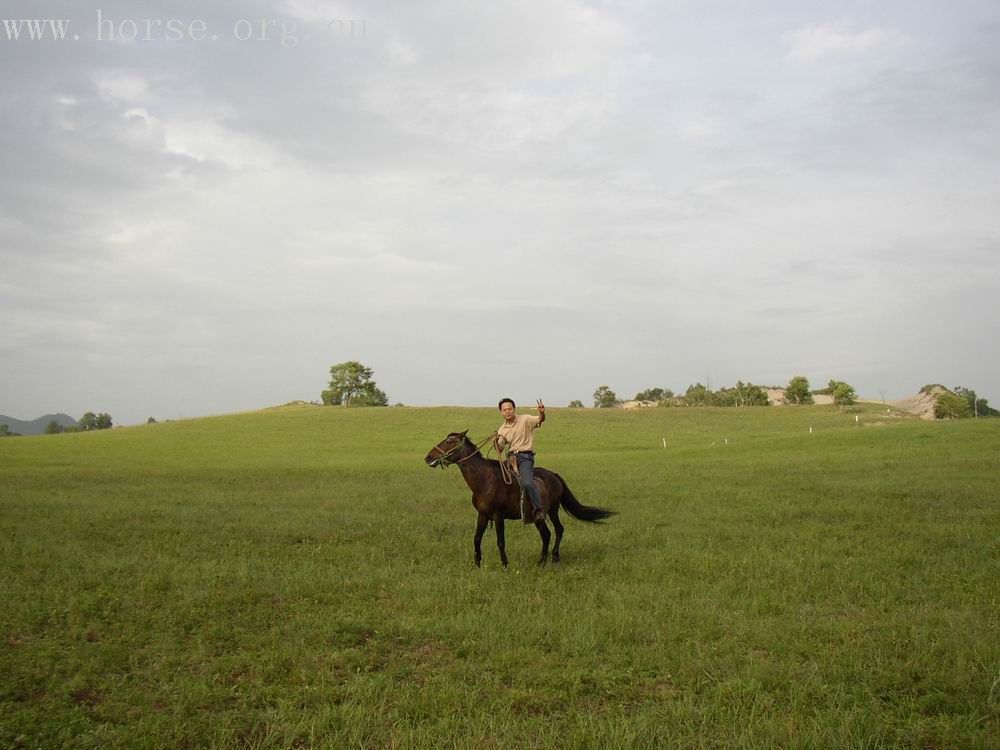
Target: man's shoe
point(539, 515)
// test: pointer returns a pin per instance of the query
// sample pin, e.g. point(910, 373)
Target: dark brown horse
point(495, 500)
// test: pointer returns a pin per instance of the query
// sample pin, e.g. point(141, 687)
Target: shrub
point(949, 405)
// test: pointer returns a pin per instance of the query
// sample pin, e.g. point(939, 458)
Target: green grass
point(297, 577)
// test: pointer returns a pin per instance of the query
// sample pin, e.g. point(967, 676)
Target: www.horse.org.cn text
point(286, 32)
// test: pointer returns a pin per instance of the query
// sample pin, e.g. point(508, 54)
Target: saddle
point(527, 510)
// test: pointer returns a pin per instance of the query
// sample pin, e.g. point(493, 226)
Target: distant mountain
point(36, 426)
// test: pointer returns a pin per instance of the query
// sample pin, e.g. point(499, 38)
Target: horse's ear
point(464, 433)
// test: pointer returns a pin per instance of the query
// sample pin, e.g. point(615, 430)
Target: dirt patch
point(87, 697)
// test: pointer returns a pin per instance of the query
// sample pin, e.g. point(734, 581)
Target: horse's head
point(446, 451)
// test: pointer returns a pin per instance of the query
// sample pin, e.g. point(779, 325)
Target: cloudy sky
point(205, 206)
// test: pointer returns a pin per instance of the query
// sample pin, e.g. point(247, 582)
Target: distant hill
point(36, 426)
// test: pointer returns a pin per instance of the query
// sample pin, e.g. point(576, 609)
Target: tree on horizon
point(797, 391)
point(90, 421)
point(604, 397)
point(351, 384)
point(843, 394)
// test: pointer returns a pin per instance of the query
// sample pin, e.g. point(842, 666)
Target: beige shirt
point(518, 435)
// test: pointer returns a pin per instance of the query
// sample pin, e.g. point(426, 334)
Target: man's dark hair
point(506, 401)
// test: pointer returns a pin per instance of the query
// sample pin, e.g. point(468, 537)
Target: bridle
point(444, 460)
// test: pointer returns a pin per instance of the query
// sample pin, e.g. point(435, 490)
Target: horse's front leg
point(501, 543)
point(477, 541)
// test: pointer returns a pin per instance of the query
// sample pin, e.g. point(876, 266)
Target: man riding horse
point(516, 434)
point(493, 494)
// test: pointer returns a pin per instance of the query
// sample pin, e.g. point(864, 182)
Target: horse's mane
point(494, 463)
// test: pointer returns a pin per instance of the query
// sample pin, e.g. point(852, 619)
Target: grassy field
point(297, 577)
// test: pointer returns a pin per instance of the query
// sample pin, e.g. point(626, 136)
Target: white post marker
point(856, 419)
point(664, 442)
point(810, 430)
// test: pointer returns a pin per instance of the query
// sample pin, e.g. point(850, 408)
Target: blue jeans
point(526, 468)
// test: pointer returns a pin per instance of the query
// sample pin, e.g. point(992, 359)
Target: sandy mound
point(776, 397)
point(637, 404)
point(921, 404)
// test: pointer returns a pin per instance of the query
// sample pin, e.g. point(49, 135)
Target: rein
point(444, 461)
point(505, 472)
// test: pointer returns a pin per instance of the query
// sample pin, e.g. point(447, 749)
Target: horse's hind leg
point(477, 541)
point(543, 530)
point(557, 525)
point(501, 543)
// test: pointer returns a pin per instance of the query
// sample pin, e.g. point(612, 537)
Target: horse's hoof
point(542, 562)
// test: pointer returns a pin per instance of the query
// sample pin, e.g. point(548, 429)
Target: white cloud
point(698, 128)
point(122, 86)
point(815, 42)
point(401, 54)
point(316, 11)
point(207, 140)
point(139, 113)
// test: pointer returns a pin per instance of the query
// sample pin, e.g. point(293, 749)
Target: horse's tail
point(578, 510)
